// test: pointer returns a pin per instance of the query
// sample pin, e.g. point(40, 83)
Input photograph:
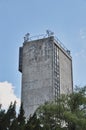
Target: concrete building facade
point(46, 72)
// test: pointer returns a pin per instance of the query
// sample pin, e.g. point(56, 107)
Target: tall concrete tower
point(46, 68)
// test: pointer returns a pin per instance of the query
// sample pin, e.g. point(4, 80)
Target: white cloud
point(81, 57)
point(83, 33)
point(7, 95)
point(81, 54)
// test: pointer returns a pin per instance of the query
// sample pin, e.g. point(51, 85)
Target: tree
point(2, 114)
point(7, 117)
point(14, 125)
point(9, 120)
point(21, 118)
point(33, 123)
point(69, 112)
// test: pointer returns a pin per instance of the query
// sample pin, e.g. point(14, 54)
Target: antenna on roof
point(49, 33)
point(26, 37)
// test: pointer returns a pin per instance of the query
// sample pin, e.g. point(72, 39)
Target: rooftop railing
point(27, 38)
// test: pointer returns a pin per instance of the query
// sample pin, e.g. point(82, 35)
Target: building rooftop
point(48, 34)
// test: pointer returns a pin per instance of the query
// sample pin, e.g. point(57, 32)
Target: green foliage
point(21, 118)
point(33, 123)
point(69, 112)
point(2, 114)
point(9, 119)
point(6, 118)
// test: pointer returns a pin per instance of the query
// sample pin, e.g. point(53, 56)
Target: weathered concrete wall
point(36, 74)
point(66, 81)
point(46, 73)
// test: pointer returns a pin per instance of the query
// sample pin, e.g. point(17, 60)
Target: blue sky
point(66, 18)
